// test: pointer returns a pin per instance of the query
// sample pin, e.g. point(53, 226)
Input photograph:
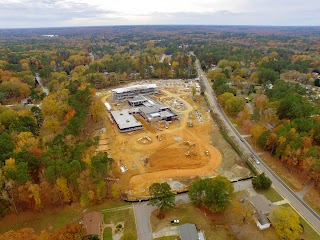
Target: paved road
point(44, 89)
point(311, 216)
point(142, 213)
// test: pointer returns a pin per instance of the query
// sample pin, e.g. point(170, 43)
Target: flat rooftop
point(134, 88)
point(124, 120)
point(137, 98)
point(153, 108)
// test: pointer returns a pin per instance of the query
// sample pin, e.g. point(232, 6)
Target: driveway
point(142, 210)
point(142, 213)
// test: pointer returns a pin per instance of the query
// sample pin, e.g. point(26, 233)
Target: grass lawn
point(214, 227)
point(308, 233)
point(293, 180)
point(50, 220)
point(271, 194)
point(312, 199)
point(125, 216)
point(107, 234)
point(219, 225)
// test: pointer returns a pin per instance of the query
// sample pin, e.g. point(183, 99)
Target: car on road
point(255, 160)
point(241, 139)
point(175, 221)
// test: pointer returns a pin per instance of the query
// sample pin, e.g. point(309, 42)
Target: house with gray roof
point(263, 207)
point(188, 231)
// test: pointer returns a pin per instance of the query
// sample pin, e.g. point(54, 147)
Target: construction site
point(167, 139)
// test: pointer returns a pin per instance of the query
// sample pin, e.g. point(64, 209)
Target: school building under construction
point(131, 91)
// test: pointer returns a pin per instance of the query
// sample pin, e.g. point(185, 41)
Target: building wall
point(121, 96)
point(264, 226)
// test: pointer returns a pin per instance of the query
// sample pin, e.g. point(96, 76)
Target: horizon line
point(137, 25)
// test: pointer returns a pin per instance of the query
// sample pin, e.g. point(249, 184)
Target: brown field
point(166, 159)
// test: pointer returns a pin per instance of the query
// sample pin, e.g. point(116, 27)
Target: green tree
point(267, 75)
point(215, 192)
point(261, 182)
point(286, 222)
point(161, 196)
point(203, 65)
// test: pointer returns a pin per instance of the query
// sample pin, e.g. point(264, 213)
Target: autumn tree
point(72, 231)
point(223, 98)
point(96, 109)
point(286, 222)
point(235, 105)
point(62, 185)
point(24, 233)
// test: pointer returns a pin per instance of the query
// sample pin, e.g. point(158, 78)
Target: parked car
point(175, 221)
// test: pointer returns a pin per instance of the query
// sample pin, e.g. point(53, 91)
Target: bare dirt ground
point(164, 154)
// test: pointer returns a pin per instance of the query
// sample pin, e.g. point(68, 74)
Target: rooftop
point(188, 231)
point(153, 109)
point(92, 222)
point(134, 88)
point(124, 119)
point(262, 204)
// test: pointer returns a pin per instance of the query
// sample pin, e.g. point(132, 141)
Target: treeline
point(100, 60)
point(46, 157)
point(72, 231)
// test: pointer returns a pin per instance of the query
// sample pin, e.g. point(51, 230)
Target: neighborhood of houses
point(94, 224)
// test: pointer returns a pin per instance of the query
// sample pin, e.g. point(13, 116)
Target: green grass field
point(51, 220)
point(271, 194)
point(107, 234)
point(187, 213)
point(125, 216)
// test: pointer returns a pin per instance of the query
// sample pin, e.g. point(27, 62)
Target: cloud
point(50, 13)
point(29, 13)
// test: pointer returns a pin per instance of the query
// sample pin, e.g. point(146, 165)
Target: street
point(310, 215)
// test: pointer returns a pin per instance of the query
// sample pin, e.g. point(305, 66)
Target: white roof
point(125, 120)
point(133, 88)
point(107, 105)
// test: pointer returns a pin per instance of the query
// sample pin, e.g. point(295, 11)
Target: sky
point(67, 13)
